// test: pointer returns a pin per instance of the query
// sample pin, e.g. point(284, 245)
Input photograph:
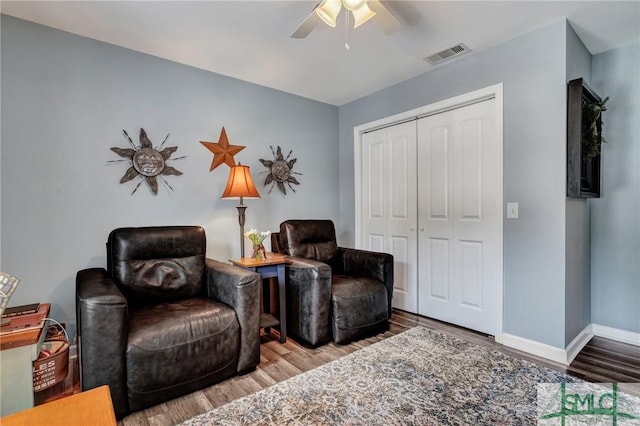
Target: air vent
point(457, 50)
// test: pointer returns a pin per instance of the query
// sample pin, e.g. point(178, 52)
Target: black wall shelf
point(583, 169)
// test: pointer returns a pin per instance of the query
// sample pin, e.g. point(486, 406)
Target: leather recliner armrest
point(240, 289)
point(102, 321)
point(309, 300)
point(364, 263)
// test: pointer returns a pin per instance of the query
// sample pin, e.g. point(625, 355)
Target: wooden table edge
point(271, 259)
point(92, 407)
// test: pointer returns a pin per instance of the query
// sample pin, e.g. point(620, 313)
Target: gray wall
point(578, 269)
point(532, 68)
point(65, 100)
point(615, 217)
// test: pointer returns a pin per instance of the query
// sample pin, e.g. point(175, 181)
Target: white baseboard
point(567, 355)
point(535, 348)
point(578, 343)
point(616, 334)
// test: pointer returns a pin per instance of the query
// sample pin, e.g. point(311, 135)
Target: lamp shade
point(362, 15)
point(240, 183)
point(328, 11)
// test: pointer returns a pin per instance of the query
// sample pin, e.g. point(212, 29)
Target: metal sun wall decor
point(147, 163)
point(222, 151)
point(280, 171)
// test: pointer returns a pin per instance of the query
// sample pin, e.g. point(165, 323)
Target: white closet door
point(459, 204)
point(389, 205)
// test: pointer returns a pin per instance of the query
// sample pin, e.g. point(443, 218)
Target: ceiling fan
point(327, 11)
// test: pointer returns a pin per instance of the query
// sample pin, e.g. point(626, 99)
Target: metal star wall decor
point(280, 171)
point(222, 151)
point(147, 163)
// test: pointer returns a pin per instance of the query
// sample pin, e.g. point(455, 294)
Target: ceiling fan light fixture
point(362, 15)
point(354, 5)
point(328, 11)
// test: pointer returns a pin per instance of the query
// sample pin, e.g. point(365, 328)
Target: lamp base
point(241, 219)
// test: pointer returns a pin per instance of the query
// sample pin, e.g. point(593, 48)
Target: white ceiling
point(250, 40)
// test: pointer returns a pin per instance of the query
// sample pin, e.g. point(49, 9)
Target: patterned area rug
point(418, 377)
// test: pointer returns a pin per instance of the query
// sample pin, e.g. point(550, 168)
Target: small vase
point(259, 252)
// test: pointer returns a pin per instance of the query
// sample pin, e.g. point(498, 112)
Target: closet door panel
point(374, 221)
point(435, 243)
point(438, 269)
point(376, 242)
point(470, 264)
point(467, 294)
point(373, 192)
point(437, 172)
point(389, 204)
point(401, 224)
point(404, 288)
point(470, 169)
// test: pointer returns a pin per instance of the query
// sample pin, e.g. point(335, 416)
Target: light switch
point(512, 210)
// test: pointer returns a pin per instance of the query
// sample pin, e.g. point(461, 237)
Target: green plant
point(256, 237)
point(592, 127)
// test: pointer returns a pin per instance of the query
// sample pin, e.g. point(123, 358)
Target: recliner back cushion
point(311, 239)
point(154, 264)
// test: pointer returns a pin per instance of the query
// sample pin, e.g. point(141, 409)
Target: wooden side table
point(273, 266)
point(93, 407)
point(19, 350)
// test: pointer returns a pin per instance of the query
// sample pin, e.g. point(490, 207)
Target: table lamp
point(240, 185)
point(8, 285)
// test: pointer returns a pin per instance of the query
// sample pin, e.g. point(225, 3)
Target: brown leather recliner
point(162, 320)
point(332, 292)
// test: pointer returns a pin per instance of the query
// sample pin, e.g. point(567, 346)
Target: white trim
point(489, 92)
point(578, 343)
point(357, 184)
point(616, 334)
point(498, 93)
point(535, 348)
point(440, 106)
point(566, 356)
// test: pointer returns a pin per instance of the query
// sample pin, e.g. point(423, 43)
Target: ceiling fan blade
point(307, 25)
point(387, 22)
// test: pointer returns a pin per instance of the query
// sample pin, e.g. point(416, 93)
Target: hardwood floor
point(604, 360)
point(601, 360)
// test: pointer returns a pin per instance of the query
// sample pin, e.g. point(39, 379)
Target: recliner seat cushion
point(359, 307)
point(179, 347)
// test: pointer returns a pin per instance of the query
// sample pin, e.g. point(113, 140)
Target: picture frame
point(584, 141)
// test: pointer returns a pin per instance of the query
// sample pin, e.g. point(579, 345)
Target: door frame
point(495, 91)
